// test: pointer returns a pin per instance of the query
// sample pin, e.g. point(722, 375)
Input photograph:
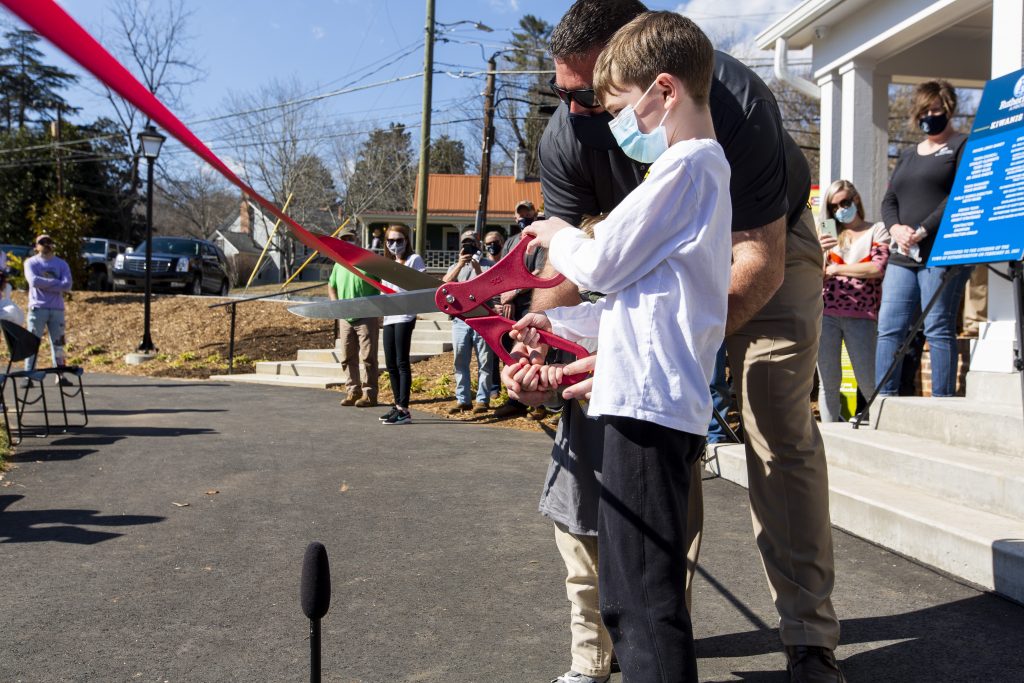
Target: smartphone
point(828, 227)
point(469, 249)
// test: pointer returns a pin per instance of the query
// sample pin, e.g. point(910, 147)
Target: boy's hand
point(543, 231)
point(509, 375)
point(525, 329)
point(583, 366)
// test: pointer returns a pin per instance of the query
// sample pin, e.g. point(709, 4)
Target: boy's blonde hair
point(654, 43)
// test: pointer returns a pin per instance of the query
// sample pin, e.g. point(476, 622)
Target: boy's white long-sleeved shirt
point(662, 257)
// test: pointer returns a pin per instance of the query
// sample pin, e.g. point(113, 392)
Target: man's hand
point(543, 231)
point(511, 376)
point(525, 329)
point(583, 366)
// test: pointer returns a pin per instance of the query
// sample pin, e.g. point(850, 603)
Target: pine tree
point(28, 87)
point(384, 174)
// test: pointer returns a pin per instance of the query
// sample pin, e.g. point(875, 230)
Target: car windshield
point(170, 245)
point(94, 247)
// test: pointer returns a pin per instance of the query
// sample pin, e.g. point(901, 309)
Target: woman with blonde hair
point(855, 262)
point(398, 328)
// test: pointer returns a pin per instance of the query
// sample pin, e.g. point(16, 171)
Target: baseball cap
point(525, 204)
point(43, 238)
point(347, 232)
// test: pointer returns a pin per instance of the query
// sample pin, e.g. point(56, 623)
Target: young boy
point(662, 258)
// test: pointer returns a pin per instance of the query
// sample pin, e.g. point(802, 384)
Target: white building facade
point(859, 48)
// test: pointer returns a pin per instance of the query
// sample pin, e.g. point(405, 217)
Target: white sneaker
point(575, 677)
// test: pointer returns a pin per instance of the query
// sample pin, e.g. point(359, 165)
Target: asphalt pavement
point(164, 542)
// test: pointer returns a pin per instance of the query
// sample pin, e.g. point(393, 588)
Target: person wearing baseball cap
point(48, 277)
point(357, 337)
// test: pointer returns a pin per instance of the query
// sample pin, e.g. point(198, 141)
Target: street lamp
point(150, 142)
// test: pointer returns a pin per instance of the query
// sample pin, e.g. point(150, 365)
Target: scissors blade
point(382, 267)
point(400, 303)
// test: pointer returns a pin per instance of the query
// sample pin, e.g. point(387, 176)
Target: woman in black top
point(912, 210)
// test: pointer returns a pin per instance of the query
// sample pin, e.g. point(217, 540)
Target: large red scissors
point(469, 301)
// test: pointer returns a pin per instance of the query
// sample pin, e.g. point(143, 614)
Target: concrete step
point(986, 481)
point(978, 546)
point(995, 387)
point(419, 347)
point(281, 380)
point(967, 423)
point(295, 368)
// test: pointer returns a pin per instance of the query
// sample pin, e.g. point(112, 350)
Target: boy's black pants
point(642, 540)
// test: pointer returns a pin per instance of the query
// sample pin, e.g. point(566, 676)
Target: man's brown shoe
point(510, 409)
point(810, 664)
point(480, 407)
point(350, 400)
point(459, 408)
point(366, 402)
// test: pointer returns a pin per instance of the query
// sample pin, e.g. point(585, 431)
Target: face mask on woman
point(847, 214)
point(933, 124)
point(396, 247)
point(642, 147)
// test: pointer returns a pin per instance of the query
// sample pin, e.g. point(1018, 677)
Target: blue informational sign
point(984, 218)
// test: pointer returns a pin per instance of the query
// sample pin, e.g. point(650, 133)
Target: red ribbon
point(52, 22)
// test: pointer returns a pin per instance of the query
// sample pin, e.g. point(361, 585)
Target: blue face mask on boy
point(642, 147)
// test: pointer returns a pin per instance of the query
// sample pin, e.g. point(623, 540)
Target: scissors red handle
point(493, 327)
point(459, 298)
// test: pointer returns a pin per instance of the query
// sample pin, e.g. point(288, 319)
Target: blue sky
point(327, 43)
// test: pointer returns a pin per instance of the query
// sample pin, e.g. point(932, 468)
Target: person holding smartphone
point(855, 261)
point(471, 262)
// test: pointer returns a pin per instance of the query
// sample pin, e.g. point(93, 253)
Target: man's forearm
point(565, 294)
point(758, 268)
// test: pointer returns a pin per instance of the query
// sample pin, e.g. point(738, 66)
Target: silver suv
point(99, 254)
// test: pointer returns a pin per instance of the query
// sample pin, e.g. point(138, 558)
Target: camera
point(469, 250)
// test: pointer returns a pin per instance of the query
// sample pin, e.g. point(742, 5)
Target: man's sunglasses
point(585, 97)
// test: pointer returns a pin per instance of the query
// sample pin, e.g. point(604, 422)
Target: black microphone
point(315, 598)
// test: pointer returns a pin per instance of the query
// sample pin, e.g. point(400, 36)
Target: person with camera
point(471, 262)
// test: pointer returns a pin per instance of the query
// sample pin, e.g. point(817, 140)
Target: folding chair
point(22, 344)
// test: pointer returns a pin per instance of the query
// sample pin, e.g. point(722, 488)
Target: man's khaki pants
point(772, 359)
point(591, 646)
point(357, 345)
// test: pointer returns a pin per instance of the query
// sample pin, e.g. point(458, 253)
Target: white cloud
point(319, 32)
point(735, 30)
point(504, 6)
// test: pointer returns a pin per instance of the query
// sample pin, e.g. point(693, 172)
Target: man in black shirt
point(772, 327)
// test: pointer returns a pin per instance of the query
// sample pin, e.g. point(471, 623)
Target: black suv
point(180, 264)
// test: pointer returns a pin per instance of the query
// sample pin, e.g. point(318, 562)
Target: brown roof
point(458, 195)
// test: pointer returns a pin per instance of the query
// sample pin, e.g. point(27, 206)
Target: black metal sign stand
point(1016, 278)
point(947, 277)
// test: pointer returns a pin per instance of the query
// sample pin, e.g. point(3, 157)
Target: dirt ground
point(192, 343)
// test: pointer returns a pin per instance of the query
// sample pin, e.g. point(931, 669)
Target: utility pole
point(57, 137)
point(424, 169)
point(485, 159)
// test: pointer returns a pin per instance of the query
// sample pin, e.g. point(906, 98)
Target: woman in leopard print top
point(853, 269)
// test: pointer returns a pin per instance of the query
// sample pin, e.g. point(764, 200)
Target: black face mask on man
point(933, 124)
point(524, 222)
point(593, 131)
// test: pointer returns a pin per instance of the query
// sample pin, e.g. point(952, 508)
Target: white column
point(830, 131)
point(864, 134)
point(994, 350)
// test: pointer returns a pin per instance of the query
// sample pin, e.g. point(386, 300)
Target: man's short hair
point(654, 43)
point(590, 24)
point(526, 204)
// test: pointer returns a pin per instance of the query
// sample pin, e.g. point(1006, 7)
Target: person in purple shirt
point(48, 277)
